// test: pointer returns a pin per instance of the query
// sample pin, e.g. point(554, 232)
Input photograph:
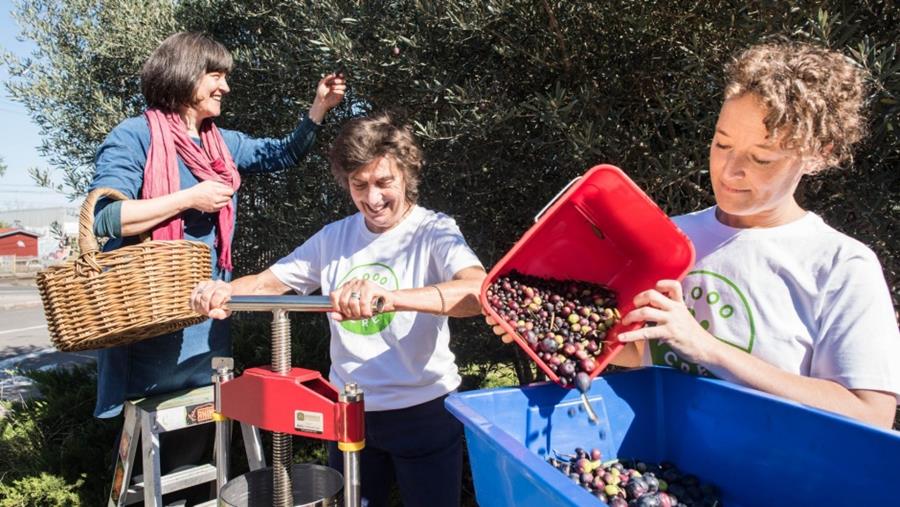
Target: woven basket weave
point(108, 299)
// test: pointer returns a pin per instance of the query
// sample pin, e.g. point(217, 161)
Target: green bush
point(56, 441)
point(43, 490)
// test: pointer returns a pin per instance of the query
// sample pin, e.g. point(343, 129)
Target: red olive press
point(287, 401)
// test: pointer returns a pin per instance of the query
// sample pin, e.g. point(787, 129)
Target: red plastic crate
point(601, 229)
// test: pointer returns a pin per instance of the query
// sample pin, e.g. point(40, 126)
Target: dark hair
point(169, 77)
point(362, 140)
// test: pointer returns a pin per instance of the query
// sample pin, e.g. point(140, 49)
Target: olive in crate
point(634, 483)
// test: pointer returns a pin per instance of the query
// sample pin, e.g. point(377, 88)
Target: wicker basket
point(108, 299)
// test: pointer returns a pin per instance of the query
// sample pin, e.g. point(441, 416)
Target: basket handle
point(87, 241)
point(555, 198)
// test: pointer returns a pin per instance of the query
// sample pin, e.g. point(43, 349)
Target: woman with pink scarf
point(181, 173)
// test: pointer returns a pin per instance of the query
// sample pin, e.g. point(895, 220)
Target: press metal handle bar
point(288, 304)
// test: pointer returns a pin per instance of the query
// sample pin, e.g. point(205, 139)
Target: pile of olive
point(631, 483)
point(563, 321)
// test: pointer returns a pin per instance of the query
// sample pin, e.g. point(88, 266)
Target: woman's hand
point(355, 300)
point(209, 196)
point(499, 331)
point(209, 298)
point(329, 93)
point(675, 325)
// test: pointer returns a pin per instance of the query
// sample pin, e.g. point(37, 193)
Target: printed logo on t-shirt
point(721, 308)
point(379, 274)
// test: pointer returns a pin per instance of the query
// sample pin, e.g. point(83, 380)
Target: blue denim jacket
point(182, 359)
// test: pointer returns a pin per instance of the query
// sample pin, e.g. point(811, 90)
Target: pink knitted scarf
point(168, 141)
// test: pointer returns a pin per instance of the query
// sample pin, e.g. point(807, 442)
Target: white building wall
point(38, 221)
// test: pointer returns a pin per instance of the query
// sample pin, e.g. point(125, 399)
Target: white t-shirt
point(399, 359)
point(801, 296)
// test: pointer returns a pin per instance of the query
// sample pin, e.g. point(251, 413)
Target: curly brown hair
point(362, 140)
point(812, 94)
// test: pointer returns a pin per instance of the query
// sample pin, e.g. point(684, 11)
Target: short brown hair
point(169, 77)
point(812, 94)
point(363, 140)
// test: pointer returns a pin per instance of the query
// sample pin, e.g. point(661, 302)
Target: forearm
point(739, 367)
point(317, 113)
point(460, 298)
point(141, 215)
point(260, 284)
point(268, 155)
point(211, 297)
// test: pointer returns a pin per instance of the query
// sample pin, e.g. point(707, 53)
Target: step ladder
point(147, 418)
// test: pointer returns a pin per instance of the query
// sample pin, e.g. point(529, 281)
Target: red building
point(18, 242)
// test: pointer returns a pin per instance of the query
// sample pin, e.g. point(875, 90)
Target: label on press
point(310, 422)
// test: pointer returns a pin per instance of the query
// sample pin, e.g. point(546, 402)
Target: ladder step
point(175, 481)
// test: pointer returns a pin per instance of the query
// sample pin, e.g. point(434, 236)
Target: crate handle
point(555, 198)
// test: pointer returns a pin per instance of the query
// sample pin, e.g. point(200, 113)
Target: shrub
point(58, 437)
point(43, 490)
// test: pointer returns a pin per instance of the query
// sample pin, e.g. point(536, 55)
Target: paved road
point(24, 341)
point(23, 330)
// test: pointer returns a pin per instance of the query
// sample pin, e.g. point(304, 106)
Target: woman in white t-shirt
point(777, 300)
point(419, 263)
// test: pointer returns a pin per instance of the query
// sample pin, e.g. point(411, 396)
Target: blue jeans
point(419, 447)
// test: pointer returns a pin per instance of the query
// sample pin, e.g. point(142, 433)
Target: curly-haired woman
point(778, 300)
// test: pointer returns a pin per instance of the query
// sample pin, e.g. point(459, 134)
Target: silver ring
point(354, 295)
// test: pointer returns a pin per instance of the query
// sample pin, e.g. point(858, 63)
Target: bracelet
point(441, 295)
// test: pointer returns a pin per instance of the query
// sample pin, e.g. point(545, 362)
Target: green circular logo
point(379, 274)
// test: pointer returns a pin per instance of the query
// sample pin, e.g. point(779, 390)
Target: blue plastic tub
point(758, 449)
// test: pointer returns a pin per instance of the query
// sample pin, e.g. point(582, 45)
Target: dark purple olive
point(583, 382)
point(549, 345)
point(652, 483)
point(648, 500)
point(587, 365)
point(636, 487)
point(665, 500)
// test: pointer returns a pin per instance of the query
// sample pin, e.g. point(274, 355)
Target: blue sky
point(19, 137)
